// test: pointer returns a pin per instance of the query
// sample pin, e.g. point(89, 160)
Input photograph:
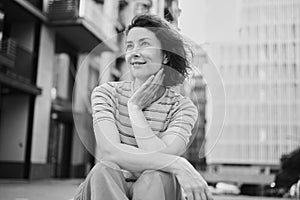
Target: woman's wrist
point(133, 106)
point(176, 166)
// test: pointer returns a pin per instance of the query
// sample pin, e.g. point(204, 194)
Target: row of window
point(284, 92)
point(254, 153)
point(271, 12)
point(269, 73)
point(282, 113)
point(268, 2)
point(275, 51)
point(264, 133)
point(272, 31)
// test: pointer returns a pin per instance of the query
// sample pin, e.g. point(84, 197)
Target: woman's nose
point(136, 55)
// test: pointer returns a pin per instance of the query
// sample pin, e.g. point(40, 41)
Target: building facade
point(44, 50)
point(195, 87)
point(261, 77)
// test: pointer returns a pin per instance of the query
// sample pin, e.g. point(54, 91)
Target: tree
point(289, 170)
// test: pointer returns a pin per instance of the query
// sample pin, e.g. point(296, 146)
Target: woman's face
point(143, 53)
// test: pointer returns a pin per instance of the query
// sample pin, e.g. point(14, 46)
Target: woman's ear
point(165, 59)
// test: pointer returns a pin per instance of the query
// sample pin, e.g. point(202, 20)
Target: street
point(38, 190)
point(65, 189)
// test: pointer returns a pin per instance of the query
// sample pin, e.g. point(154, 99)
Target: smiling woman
point(143, 54)
point(172, 46)
point(143, 126)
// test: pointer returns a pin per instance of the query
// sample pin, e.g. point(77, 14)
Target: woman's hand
point(146, 94)
point(191, 181)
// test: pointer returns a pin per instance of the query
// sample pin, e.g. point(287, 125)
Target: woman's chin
point(141, 76)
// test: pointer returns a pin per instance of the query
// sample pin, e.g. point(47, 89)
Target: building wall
point(42, 107)
point(15, 101)
point(23, 33)
point(261, 76)
point(195, 88)
point(14, 109)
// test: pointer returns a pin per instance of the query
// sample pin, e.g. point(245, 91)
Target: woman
point(143, 126)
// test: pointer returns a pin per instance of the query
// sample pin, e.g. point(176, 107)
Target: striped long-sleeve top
point(172, 113)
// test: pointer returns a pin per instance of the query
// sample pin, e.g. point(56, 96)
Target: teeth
point(138, 63)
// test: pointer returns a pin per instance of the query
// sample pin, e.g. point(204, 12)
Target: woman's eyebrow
point(141, 39)
point(145, 38)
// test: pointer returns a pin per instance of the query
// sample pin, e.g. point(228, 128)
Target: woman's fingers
point(192, 182)
point(152, 84)
point(208, 194)
point(158, 77)
point(196, 193)
point(198, 196)
point(145, 95)
point(194, 186)
point(199, 190)
point(155, 80)
point(149, 80)
point(189, 195)
point(203, 196)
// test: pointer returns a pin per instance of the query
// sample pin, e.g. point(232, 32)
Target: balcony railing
point(16, 61)
point(77, 19)
point(25, 65)
point(89, 10)
point(17, 67)
point(36, 3)
point(63, 10)
point(7, 53)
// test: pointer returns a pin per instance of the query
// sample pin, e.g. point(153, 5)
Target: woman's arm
point(135, 159)
point(128, 157)
point(107, 135)
point(173, 141)
point(147, 140)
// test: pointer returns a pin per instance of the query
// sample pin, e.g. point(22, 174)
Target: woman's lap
point(106, 179)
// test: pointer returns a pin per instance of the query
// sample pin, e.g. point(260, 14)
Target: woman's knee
point(157, 175)
point(156, 178)
point(156, 183)
point(104, 168)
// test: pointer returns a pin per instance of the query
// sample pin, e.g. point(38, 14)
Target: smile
point(135, 63)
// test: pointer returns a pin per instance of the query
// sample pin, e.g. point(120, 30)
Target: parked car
point(225, 188)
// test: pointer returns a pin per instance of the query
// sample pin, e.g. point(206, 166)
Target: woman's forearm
point(136, 159)
point(129, 157)
point(144, 136)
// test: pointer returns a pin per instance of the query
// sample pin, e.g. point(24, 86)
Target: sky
point(207, 21)
point(191, 20)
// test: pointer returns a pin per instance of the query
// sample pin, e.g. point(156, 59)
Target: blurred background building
point(260, 67)
point(195, 88)
point(43, 45)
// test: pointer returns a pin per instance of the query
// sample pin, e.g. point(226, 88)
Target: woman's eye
point(145, 44)
point(129, 47)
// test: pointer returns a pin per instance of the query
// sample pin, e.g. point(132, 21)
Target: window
point(36, 3)
point(99, 1)
point(294, 31)
point(1, 24)
point(142, 6)
point(266, 51)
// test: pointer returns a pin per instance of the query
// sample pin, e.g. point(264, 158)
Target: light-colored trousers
point(107, 182)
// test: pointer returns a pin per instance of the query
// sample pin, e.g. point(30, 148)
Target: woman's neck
point(137, 83)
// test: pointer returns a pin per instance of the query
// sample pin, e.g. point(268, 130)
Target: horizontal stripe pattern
point(171, 114)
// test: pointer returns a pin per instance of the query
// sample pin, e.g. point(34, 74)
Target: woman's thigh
point(158, 184)
point(105, 179)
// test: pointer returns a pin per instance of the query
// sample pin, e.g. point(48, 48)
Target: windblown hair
point(173, 46)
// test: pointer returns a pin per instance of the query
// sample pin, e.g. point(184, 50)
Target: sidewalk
point(54, 189)
point(57, 189)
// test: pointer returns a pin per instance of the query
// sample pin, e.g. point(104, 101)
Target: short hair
point(173, 46)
